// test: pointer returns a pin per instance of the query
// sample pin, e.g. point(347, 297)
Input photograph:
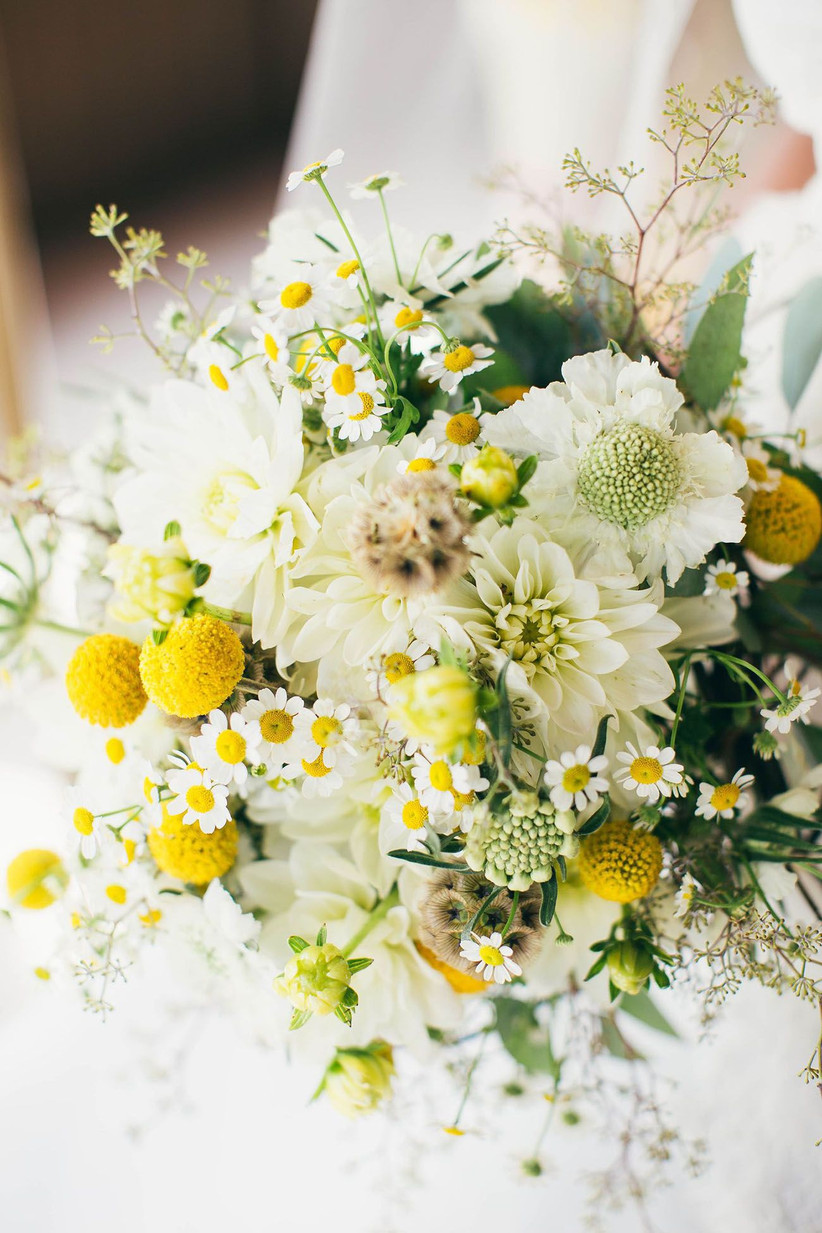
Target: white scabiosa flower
point(275, 714)
point(615, 471)
point(313, 171)
point(652, 774)
point(493, 958)
point(224, 745)
point(725, 799)
point(725, 577)
point(448, 367)
point(198, 798)
point(575, 780)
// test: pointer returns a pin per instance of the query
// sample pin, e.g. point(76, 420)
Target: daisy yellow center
point(130, 849)
point(396, 666)
point(735, 426)
point(276, 726)
point(463, 799)
point(725, 796)
point(475, 755)
point(343, 379)
point(440, 776)
point(230, 747)
point(462, 429)
point(421, 464)
point(629, 475)
point(326, 731)
point(414, 815)
point(491, 955)
point(151, 918)
point(347, 268)
point(117, 894)
point(757, 470)
point(408, 318)
point(115, 750)
point(218, 377)
point(646, 770)
point(148, 789)
point(295, 295)
point(576, 778)
point(725, 580)
point(367, 407)
point(83, 821)
point(200, 798)
point(459, 359)
point(271, 348)
point(316, 769)
point(336, 344)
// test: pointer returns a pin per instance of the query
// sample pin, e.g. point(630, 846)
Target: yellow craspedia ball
point(35, 878)
point(509, 394)
point(184, 852)
point(103, 681)
point(195, 668)
point(620, 863)
point(784, 525)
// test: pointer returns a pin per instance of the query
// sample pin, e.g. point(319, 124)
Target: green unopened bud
point(155, 586)
point(765, 745)
point(438, 706)
point(316, 980)
point(490, 477)
point(358, 1080)
point(629, 966)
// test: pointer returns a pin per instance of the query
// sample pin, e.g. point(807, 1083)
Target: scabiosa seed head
point(516, 842)
point(629, 475)
point(447, 905)
point(410, 539)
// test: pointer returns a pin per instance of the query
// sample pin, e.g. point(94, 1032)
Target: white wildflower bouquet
point(428, 621)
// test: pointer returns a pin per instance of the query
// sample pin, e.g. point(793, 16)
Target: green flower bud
point(490, 478)
point(629, 966)
point(154, 586)
point(358, 1080)
point(316, 980)
point(438, 706)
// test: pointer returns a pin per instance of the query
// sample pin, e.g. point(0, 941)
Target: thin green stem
point(377, 913)
point(469, 1079)
point(356, 253)
point(227, 614)
point(390, 237)
point(511, 914)
point(685, 670)
point(63, 629)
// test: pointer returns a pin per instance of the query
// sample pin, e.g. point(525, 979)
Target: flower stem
point(227, 614)
point(377, 913)
point(63, 629)
point(356, 253)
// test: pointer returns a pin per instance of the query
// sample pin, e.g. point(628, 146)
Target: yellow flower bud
point(154, 586)
point(358, 1080)
point(316, 979)
point(36, 878)
point(629, 966)
point(489, 478)
point(438, 706)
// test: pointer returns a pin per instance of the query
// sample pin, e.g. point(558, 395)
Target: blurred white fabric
point(171, 1121)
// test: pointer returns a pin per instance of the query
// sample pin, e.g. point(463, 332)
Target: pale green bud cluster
point(629, 475)
point(152, 585)
point(438, 706)
point(359, 1080)
point(517, 842)
point(316, 980)
point(490, 477)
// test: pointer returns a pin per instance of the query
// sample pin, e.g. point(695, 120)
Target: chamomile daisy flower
point(274, 343)
point(198, 798)
point(373, 185)
point(574, 779)
point(684, 898)
point(394, 665)
point(652, 774)
point(725, 577)
point(405, 821)
point(762, 476)
point(89, 830)
point(493, 958)
point(794, 709)
point(301, 299)
point(225, 745)
point(212, 357)
point(407, 321)
point(724, 799)
point(426, 456)
point(319, 777)
point(275, 714)
point(436, 780)
point(449, 366)
point(327, 731)
point(456, 436)
point(313, 171)
point(360, 419)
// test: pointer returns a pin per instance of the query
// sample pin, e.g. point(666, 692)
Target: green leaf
point(202, 573)
point(299, 1019)
point(297, 944)
point(171, 529)
point(640, 1006)
point(505, 730)
point(714, 355)
point(408, 416)
point(357, 965)
point(598, 818)
point(158, 636)
point(526, 469)
point(596, 967)
point(548, 906)
point(533, 332)
point(802, 341)
point(601, 737)
point(423, 858)
point(322, 934)
point(527, 1042)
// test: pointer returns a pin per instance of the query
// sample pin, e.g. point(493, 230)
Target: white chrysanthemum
point(198, 798)
point(448, 367)
point(616, 474)
point(493, 958)
point(224, 466)
point(224, 745)
point(275, 714)
point(724, 799)
point(578, 650)
point(575, 780)
point(652, 774)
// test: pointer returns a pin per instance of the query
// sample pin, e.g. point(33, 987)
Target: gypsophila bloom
point(275, 714)
point(493, 958)
point(725, 577)
point(410, 538)
point(651, 774)
point(449, 366)
point(197, 798)
point(517, 842)
point(224, 745)
point(313, 171)
point(724, 799)
point(575, 780)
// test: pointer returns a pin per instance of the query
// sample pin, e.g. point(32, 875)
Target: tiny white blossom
point(725, 577)
point(449, 367)
point(574, 780)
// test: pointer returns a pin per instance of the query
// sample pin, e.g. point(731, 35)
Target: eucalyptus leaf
point(802, 341)
point(641, 1007)
point(715, 355)
point(521, 1034)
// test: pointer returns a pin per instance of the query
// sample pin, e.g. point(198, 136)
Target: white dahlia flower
point(616, 477)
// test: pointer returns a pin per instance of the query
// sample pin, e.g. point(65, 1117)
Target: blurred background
point(186, 114)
